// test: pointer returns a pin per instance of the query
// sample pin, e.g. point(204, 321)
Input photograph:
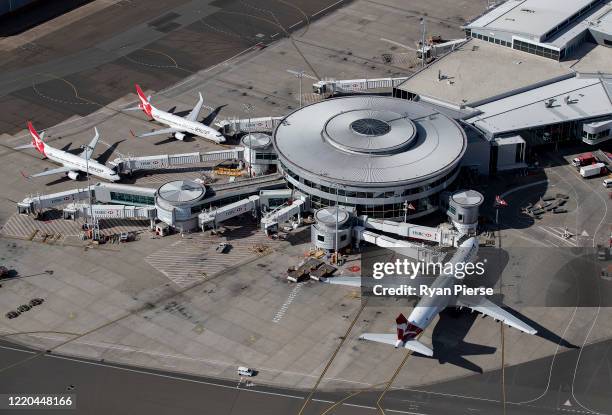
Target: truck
point(584, 160)
point(593, 170)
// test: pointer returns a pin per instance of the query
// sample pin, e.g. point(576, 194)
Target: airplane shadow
point(448, 340)
point(106, 154)
point(543, 332)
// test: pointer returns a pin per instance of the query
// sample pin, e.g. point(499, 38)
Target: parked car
point(4, 271)
point(36, 301)
point(23, 308)
point(12, 314)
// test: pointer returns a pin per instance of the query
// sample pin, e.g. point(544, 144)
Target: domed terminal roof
point(468, 198)
point(256, 140)
point(327, 216)
point(181, 191)
point(375, 140)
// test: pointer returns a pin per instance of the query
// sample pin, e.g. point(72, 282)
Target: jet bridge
point(128, 165)
point(38, 203)
point(420, 252)
point(235, 126)
point(444, 237)
point(347, 86)
point(282, 214)
point(216, 216)
point(75, 210)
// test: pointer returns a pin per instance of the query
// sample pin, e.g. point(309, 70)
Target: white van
point(607, 182)
point(245, 371)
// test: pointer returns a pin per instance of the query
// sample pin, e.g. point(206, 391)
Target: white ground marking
point(281, 312)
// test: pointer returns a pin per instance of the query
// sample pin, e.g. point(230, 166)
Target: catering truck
point(593, 170)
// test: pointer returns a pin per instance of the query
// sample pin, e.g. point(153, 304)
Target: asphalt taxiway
point(559, 386)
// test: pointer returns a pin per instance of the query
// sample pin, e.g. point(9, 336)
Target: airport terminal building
point(386, 157)
point(531, 73)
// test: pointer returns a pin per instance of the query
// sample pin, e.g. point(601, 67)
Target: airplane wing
point(489, 308)
point(347, 281)
point(86, 154)
point(414, 345)
point(24, 146)
point(193, 115)
point(160, 132)
point(51, 171)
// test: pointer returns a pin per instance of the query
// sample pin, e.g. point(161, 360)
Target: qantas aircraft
point(72, 165)
point(408, 329)
point(180, 126)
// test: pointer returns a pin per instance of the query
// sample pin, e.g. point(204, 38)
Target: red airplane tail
point(144, 105)
point(37, 142)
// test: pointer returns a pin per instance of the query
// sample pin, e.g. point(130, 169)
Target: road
point(577, 381)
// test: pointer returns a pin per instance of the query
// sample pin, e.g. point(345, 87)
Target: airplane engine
point(179, 136)
point(73, 175)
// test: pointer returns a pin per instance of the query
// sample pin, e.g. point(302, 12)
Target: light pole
point(423, 43)
point(87, 149)
point(248, 108)
point(300, 75)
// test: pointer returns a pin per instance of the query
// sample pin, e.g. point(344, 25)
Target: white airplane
point(408, 329)
point(180, 126)
point(72, 165)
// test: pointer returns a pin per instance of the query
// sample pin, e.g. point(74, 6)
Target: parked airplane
point(408, 329)
point(180, 126)
point(73, 165)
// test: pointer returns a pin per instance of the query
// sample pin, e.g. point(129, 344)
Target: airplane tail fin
point(144, 105)
point(211, 117)
point(405, 337)
point(37, 141)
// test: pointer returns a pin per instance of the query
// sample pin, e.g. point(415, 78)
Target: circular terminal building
point(387, 157)
point(174, 201)
point(258, 152)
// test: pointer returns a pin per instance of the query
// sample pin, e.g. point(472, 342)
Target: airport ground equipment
point(593, 170)
point(128, 165)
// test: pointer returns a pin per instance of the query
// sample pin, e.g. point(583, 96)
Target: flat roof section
point(533, 18)
point(586, 98)
point(479, 70)
point(593, 59)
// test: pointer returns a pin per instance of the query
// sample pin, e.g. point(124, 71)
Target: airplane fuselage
point(429, 306)
point(79, 164)
point(190, 127)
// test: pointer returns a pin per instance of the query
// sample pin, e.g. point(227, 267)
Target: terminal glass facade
point(132, 199)
point(385, 203)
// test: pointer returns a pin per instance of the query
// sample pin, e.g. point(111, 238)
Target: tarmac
point(171, 305)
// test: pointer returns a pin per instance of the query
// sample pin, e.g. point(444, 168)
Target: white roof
point(479, 70)
point(589, 98)
point(534, 18)
point(369, 140)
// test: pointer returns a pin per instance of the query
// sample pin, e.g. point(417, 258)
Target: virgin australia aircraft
point(408, 329)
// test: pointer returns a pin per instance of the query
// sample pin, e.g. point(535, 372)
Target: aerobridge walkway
point(128, 165)
point(604, 158)
point(233, 126)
